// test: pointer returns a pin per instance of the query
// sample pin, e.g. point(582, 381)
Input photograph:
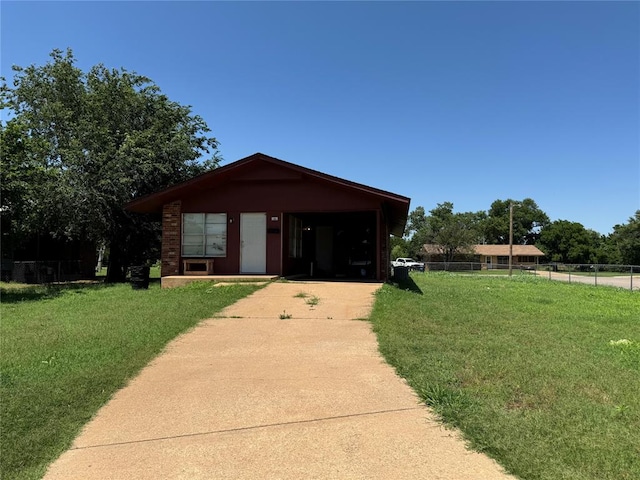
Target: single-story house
point(490, 256)
point(497, 256)
point(262, 215)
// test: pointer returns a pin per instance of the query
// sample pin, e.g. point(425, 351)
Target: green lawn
point(67, 349)
point(497, 272)
point(542, 376)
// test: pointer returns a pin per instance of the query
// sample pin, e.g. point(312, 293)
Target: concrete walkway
point(251, 395)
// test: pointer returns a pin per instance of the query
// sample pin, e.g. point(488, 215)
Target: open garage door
point(332, 245)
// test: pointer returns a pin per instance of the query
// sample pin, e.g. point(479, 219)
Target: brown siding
point(231, 263)
point(274, 232)
point(171, 226)
point(279, 196)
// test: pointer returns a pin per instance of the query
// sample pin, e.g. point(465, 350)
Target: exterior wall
point(278, 196)
point(171, 239)
point(277, 244)
point(274, 243)
point(384, 258)
point(527, 263)
point(230, 264)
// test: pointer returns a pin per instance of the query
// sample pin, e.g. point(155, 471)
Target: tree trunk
point(117, 269)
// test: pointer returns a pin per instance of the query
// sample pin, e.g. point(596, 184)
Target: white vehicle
point(409, 263)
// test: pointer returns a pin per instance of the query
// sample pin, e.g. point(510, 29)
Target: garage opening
point(331, 245)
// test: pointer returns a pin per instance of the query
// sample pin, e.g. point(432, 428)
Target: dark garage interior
point(332, 245)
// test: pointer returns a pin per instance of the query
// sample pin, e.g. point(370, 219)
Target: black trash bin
point(401, 274)
point(139, 277)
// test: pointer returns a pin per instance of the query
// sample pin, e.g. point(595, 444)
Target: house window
point(526, 259)
point(295, 237)
point(204, 235)
point(503, 260)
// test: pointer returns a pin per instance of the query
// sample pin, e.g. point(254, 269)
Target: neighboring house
point(261, 215)
point(490, 256)
point(497, 256)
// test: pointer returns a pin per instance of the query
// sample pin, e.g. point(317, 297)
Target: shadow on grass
point(407, 284)
point(14, 293)
point(33, 293)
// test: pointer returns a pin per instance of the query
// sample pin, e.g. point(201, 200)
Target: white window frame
point(204, 235)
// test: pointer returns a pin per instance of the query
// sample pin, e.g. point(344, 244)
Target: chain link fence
point(46, 271)
point(622, 276)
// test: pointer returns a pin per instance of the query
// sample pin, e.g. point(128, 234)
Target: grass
point(66, 349)
point(311, 301)
point(534, 373)
point(497, 272)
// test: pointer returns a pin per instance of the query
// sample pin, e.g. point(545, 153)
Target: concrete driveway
point(251, 395)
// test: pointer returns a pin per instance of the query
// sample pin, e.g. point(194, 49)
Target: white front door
point(253, 243)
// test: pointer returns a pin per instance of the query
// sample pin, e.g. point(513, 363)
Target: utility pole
point(510, 238)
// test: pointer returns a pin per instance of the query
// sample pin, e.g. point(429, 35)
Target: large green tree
point(625, 239)
point(416, 233)
point(453, 232)
point(79, 145)
point(399, 247)
point(570, 242)
point(20, 174)
point(528, 221)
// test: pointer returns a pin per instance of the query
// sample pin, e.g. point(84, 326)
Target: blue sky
point(466, 102)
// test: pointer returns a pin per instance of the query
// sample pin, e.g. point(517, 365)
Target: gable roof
point(493, 250)
point(502, 250)
point(395, 207)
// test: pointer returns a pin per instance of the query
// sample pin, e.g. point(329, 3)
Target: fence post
point(596, 282)
point(631, 277)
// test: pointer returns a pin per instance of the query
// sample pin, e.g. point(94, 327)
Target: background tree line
point(564, 241)
point(79, 145)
